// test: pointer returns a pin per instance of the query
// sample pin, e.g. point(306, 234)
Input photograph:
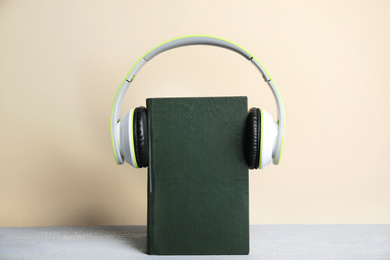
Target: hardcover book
point(197, 176)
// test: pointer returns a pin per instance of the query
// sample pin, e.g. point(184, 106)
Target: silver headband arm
point(196, 40)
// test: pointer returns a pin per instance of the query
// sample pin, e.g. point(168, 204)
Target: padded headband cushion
point(253, 128)
point(140, 131)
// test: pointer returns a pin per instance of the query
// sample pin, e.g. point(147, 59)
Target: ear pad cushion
point(253, 128)
point(269, 131)
point(140, 131)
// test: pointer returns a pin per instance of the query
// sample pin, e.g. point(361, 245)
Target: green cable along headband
point(186, 41)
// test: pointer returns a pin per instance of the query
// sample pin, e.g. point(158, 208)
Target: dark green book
point(197, 176)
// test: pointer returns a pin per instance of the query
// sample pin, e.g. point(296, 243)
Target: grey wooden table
point(129, 242)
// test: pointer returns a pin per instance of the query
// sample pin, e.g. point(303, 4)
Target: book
point(197, 177)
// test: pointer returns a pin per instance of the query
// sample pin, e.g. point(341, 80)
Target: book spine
point(150, 206)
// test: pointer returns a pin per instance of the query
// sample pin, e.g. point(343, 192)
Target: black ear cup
point(140, 130)
point(253, 128)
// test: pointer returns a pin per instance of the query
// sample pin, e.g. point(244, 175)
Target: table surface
point(129, 242)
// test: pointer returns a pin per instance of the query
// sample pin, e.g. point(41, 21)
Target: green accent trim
point(261, 137)
point(112, 113)
point(132, 138)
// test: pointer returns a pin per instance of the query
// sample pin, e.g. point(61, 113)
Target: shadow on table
point(133, 236)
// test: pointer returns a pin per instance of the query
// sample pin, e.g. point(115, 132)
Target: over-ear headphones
point(264, 137)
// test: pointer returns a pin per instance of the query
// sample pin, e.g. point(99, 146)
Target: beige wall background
point(61, 63)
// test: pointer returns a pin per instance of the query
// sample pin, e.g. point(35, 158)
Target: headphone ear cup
point(140, 130)
point(253, 134)
point(269, 130)
point(126, 138)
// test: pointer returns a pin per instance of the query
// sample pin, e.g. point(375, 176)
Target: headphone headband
point(186, 41)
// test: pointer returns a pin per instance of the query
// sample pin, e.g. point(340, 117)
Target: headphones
point(264, 137)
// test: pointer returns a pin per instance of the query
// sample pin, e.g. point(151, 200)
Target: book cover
point(197, 176)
